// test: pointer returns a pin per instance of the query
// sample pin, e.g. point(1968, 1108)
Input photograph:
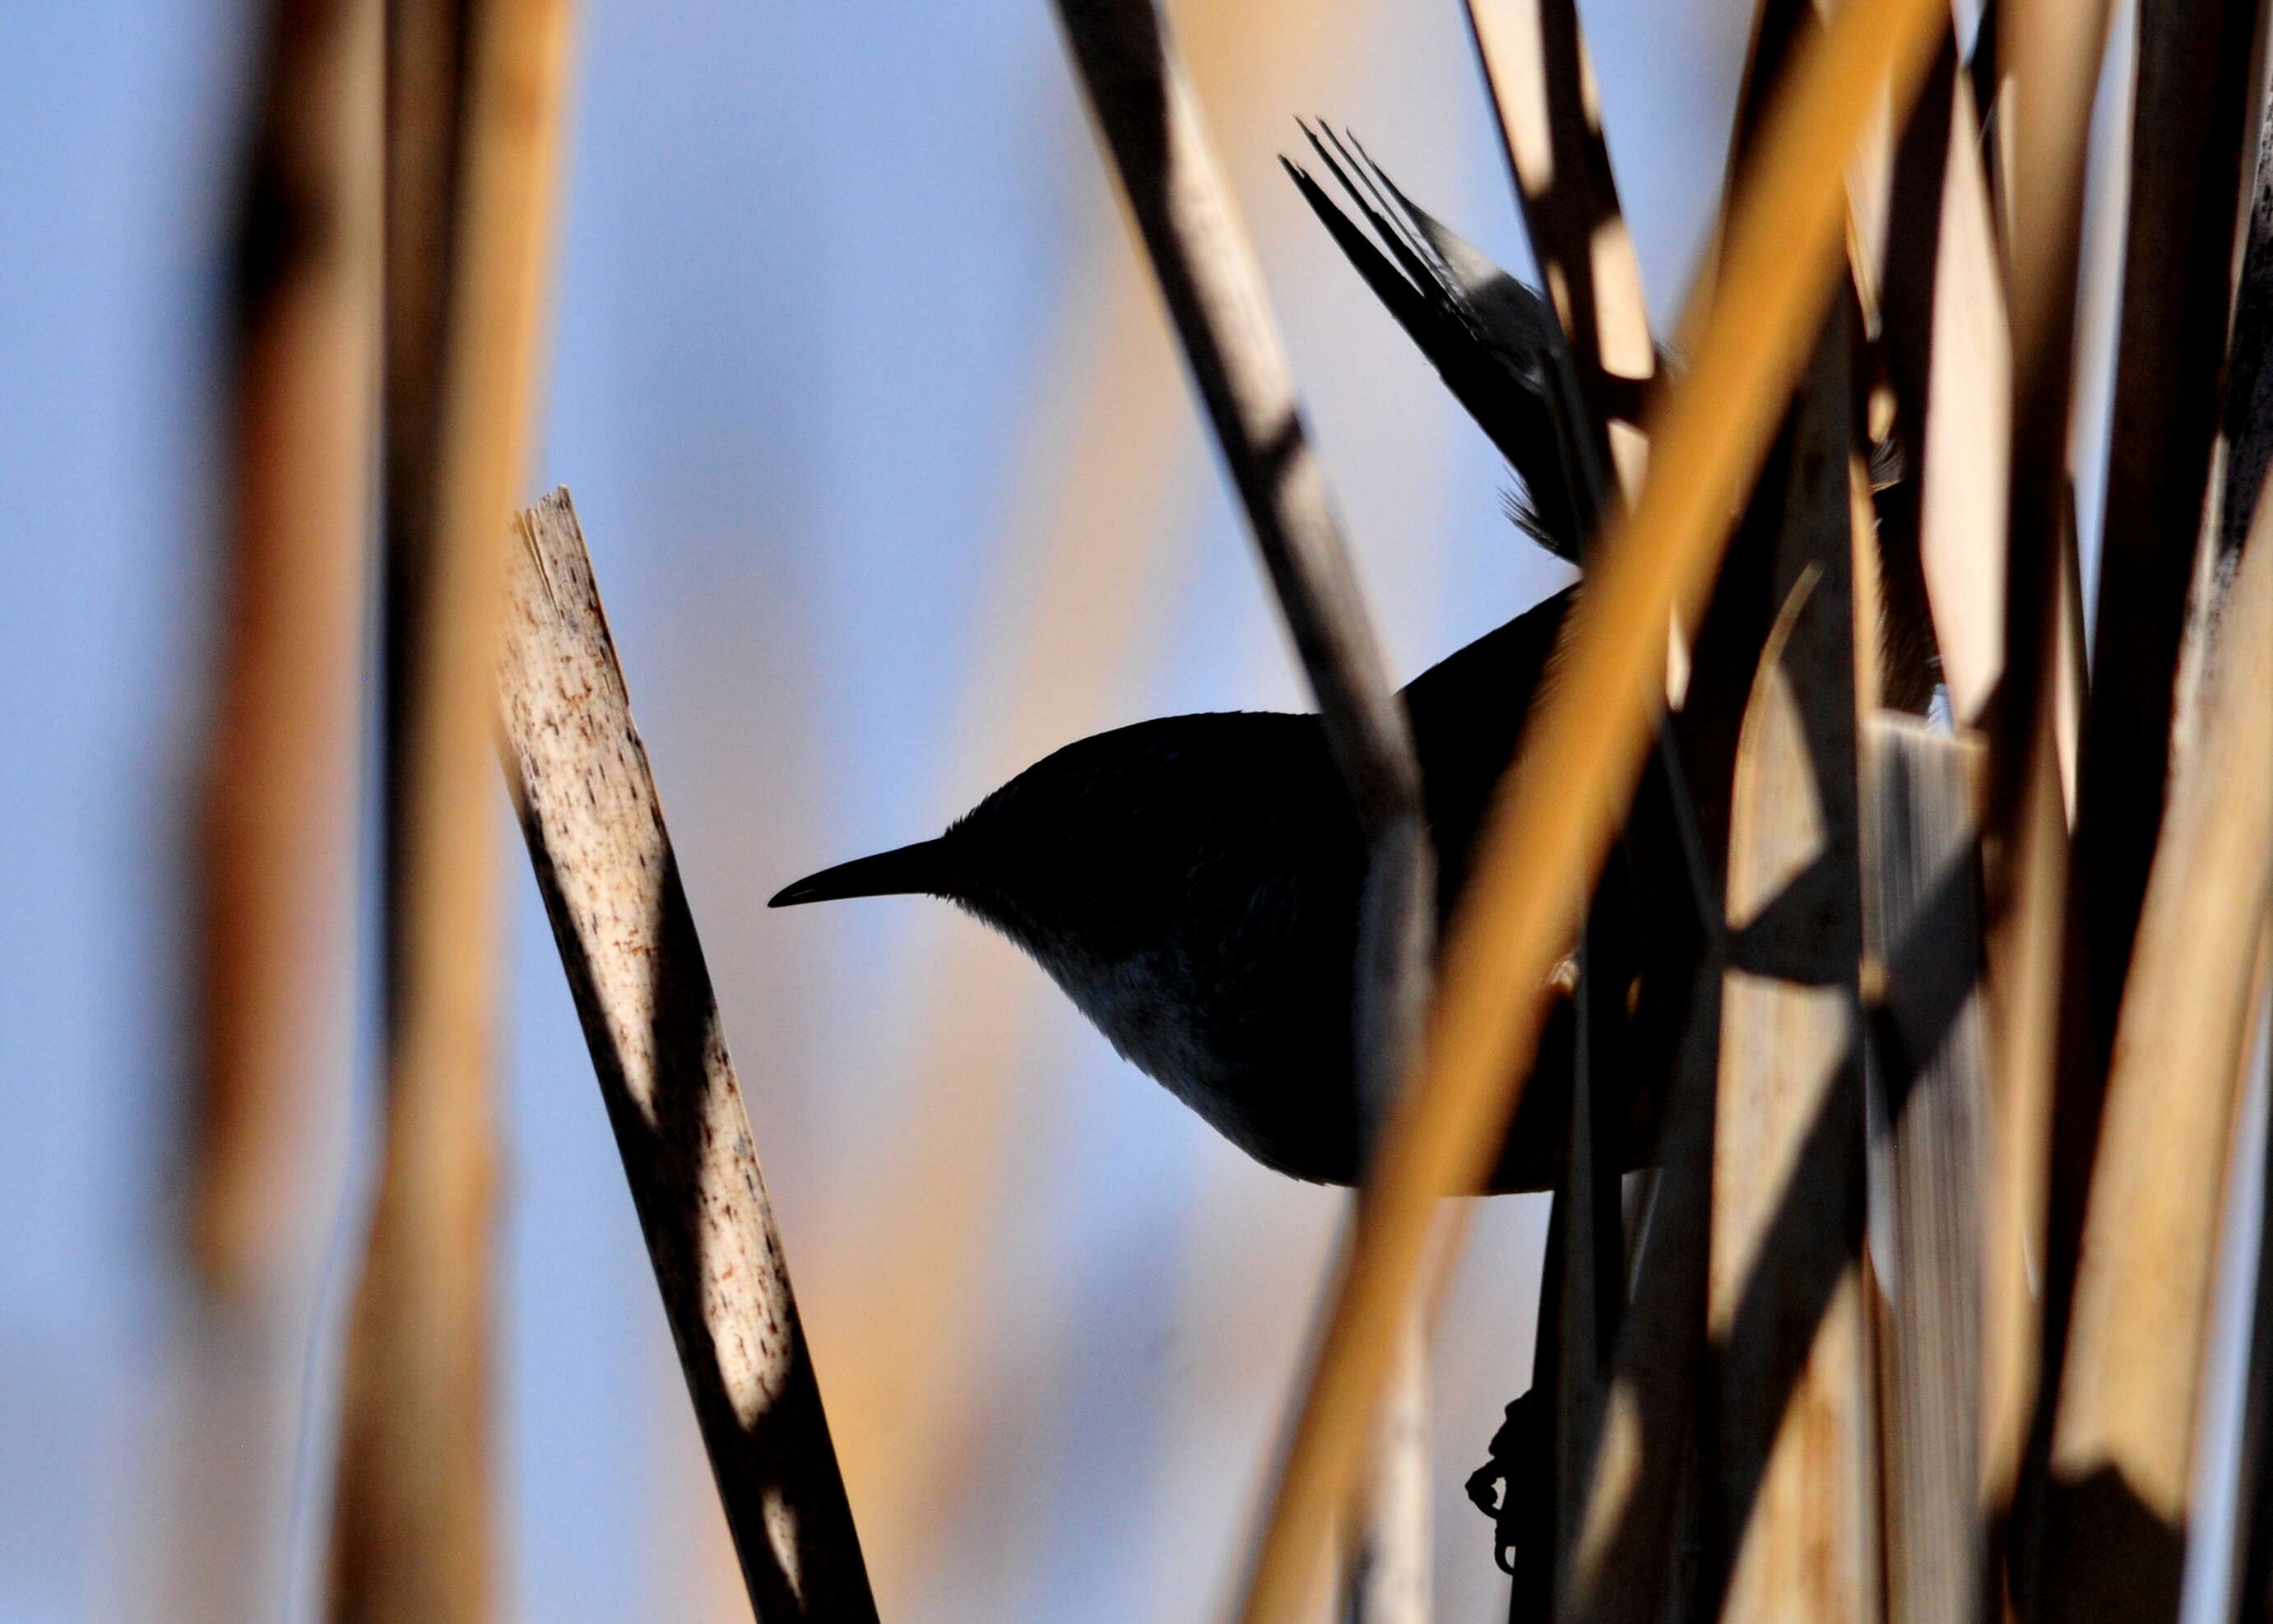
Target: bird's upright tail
point(1490, 338)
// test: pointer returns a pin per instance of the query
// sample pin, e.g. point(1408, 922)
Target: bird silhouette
point(1192, 882)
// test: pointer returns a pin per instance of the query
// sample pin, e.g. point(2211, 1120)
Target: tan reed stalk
point(2194, 82)
point(593, 824)
point(2050, 52)
point(2123, 1437)
point(1550, 121)
point(1950, 349)
point(1786, 1311)
point(426, 42)
point(1184, 209)
point(278, 825)
point(1543, 87)
point(1587, 744)
point(2249, 1575)
point(2244, 430)
point(279, 818)
point(1923, 983)
point(1946, 342)
point(411, 1521)
point(1189, 222)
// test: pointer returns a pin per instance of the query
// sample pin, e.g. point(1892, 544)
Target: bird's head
point(1095, 851)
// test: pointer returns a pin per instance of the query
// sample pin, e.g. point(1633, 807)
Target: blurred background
point(893, 484)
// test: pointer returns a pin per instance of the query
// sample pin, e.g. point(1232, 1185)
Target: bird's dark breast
point(1213, 939)
point(1251, 1024)
point(1263, 974)
point(1235, 984)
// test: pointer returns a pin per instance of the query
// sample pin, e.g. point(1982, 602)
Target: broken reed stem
point(590, 809)
point(1149, 118)
point(411, 1517)
point(1586, 745)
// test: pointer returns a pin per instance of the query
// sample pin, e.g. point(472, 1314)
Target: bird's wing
point(1490, 338)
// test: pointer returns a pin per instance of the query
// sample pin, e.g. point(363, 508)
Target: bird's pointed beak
point(913, 871)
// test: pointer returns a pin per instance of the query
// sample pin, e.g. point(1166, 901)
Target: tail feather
point(1490, 338)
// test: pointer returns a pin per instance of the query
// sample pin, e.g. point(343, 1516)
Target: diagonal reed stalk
point(1214, 286)
point(2194, 80)
point(906, 1320)
point(1182, 203)
point(1541, 81)
point(594, 823)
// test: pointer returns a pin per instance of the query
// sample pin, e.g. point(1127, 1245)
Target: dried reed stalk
point(279, 821)
point(1620, 1564)
point(425, 94)
point(1588, 739)
point(1928, 1058)
point(411, 1517)
point(1542, 87)
point(1948, 340)
point(1213, 287)
point(1393, 1548)
point(2251, 1571)
point(1796, 1421)
point(1551, 120)
point(2172, 337)
point(2194, 80)
point(2049, 49)
point(1586, 1281)
point(274, 945)
point(1185, 212)
point(2123, 1437)
point(594, 823)
point(2246, 427)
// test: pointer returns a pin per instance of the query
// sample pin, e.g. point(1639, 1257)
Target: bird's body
point(1192, 883)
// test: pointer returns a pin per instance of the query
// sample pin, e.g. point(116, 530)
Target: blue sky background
point(821, 273)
